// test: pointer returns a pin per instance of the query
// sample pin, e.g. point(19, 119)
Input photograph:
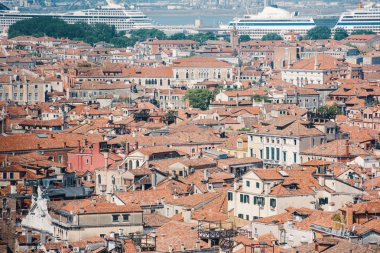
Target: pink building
point(88, 157)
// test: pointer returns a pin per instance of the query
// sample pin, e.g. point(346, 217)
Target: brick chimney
point(347, 148)
point(136, 145)
point(349, 215)
point(127, 149)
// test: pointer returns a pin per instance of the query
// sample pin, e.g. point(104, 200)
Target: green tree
point(178, 36)
point(202, 37)
point(329, 112)
point(271, 36)
point(144, 34)
point(340, 34)
point(319, 33)
point(362, 32)
point(244, 38)
point(199, 98)
point(259, 98)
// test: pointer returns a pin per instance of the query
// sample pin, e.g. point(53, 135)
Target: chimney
point(127, 148)
point(154, 179)
point(81, 210)
point(186, 214)
point(43, 237)
point(106, 155)
point(349, 215)
point(170, 248)
point(347, 147)
point(316, 61)
point(205, 175)
point(136, 145)
point(197, 245)
point(52, 136)
point(29, 236)
point(182, 247)
point(93, 200)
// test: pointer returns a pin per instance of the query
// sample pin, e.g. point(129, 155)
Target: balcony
point(343, 233)
point(216, 230)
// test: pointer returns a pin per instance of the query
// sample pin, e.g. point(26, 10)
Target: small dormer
point(291, 186)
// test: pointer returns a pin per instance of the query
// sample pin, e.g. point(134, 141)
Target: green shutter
point(255, 200)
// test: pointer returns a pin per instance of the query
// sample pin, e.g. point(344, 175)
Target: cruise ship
point(271, 20)
point(365, 17)
point(115, 15)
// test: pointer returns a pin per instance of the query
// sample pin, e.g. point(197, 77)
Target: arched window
point(137, 164)
point(130, 164)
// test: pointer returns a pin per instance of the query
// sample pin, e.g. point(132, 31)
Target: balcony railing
point(338, 233)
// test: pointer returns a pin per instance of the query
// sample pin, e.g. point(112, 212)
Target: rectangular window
point(284, 155)
point(230, 196)
point(247, 217)
point(115, 217)
point(272, 203)
point(260, 201)
point(257, 185)
point(278, 154)
point(35, 96)
point(295, 142)
point(261, 154)
point(247, 183)
point(246, 199)
point(295, 157)
point(125, 217)
point(241, 216)
point(272, 153)
point(255, 200)
point(4, 175)
point(267, 152)
point(11, 175)
point(241, 198)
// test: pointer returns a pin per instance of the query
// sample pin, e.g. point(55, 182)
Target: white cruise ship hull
point(122, 19)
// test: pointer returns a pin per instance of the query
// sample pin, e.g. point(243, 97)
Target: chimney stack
point(205, 175)
point(349, 215)
point(316, 65)
point(29, 236)
point(197, 245)
point(43, 237)
point(106, 155)
point(127, 148)
point(136, 145)
point(154, 179)
point(347, 147)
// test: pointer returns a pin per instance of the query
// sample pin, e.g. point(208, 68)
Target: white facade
point(38, 217)
point(282, 150)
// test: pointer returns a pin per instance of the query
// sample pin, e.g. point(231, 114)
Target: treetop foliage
point(93, 33)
